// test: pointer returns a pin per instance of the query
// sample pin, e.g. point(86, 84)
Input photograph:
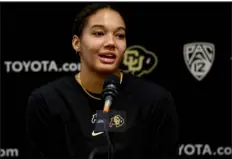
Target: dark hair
point(82, 17)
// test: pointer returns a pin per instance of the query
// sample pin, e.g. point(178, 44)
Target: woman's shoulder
point(147, 95)
point(53, 95)
point(58, 85)
point(145, 87)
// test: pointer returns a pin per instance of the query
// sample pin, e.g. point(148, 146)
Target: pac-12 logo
point(139, 61)
point(199, 57)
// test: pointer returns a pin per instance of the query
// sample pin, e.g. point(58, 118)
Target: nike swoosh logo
point(95, 134)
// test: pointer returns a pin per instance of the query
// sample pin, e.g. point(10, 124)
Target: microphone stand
point(110, 145)
point(93, 152)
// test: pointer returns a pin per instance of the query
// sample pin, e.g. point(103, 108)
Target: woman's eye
point(121, 36)
point(98, 33)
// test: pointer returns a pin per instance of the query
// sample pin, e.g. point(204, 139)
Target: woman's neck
point(92, 81)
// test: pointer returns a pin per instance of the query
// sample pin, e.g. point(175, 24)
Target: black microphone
point(110, 91)
point(104, 120)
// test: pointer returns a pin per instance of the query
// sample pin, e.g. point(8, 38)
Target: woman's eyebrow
point(121, 28)
point(98, 26)
point(103, 27)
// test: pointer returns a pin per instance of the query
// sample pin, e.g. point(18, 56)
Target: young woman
point(61, 115)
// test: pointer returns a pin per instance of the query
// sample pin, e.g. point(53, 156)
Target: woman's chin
point(107, 69)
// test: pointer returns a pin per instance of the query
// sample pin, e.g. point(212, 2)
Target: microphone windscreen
point(112, 79)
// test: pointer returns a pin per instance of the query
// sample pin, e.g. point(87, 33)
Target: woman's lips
point(107, 59)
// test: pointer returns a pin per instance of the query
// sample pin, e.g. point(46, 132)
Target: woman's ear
point(76, 43)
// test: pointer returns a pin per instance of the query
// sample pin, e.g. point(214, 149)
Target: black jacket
point(58, 122)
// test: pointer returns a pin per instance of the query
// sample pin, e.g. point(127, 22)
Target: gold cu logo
point(139, 61)
point(116, 121)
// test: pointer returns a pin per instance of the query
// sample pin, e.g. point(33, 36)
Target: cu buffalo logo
point(139, 61)
point(116, 121)
point(199, 58)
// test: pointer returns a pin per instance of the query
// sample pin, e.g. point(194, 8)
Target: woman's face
point(103, 41)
